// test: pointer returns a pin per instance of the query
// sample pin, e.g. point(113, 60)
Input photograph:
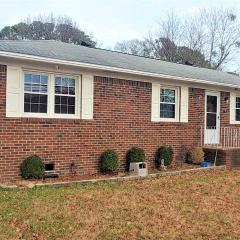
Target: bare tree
point(222, 36)
point(194, 33)
point(135, 47)
point(211, 38)
point(170, 27)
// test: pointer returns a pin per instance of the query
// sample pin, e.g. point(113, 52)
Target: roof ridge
point(106, 57)
point(101, 49)
point(118, 52)
point(139, 56)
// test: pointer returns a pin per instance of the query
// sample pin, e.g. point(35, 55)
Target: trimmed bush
point(32, 168)
point(109, 161)
point(196, 155)
point(135, 154)
point(166, 153)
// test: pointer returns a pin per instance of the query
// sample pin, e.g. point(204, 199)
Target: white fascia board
point(107, 68)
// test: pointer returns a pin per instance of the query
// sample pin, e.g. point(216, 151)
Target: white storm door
point(212, 118)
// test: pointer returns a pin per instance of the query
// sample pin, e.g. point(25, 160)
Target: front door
point(212, 118)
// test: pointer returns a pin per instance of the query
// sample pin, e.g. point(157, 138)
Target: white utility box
point(138, 168)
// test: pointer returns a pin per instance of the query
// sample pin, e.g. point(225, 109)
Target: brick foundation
point(228, 157)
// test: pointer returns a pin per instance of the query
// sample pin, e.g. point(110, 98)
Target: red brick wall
point(122, 119)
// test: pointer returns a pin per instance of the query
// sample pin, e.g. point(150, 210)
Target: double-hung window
point(35, 93)
point(65, 95)
point(168, 103)
point(52, 95)
point(237, 109)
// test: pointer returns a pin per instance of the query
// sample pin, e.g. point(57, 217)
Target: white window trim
point(177, 112)
point(51, 96)
point(235, 109)
point(232, 107)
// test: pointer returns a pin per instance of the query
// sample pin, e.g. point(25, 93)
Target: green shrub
point(109, 161)
point(135, 154)
point(166, 153)
point(32, 168)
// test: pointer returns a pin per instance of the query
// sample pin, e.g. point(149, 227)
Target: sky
point(109, 21)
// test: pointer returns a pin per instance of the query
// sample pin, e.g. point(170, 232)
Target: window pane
point(35, 98)
point(167, 95)
point(211, 120)
point(44, 80)
point(43, 89)
point(167, 110)
point(26, 107)
point(71, 91)
point(71, 100)
point(43, 108)
point(35, 79)
point(58, 89)
point(35, 103)
point(237, 114)
point(27, 78)
point(27, 98)
point(71, 82)
point(35, 84)
point(35, 88)
point(27, 87)
point(64, 88)
point(212, 104)
point(65, 82)
point(34, 108)
point(64, 109)
point(64, 105)
point(57, 109)
point(57, 99)
point(64, 100)
point(43, 99)
point(237, 102)
point(71, 110)
point(58, 81)
point(167, 103)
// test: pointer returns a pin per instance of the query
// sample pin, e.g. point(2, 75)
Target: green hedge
point(166, 153)
point(109, 161)
point(135, 154)
point(32, 168)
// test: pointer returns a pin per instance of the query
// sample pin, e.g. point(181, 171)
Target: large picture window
point(64, 95)
point(35, 93)
point(167, 103)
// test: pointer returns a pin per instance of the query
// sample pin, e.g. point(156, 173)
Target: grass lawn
point(200, 206)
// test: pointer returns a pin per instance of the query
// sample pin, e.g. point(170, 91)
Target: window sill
point(235, 122)
point(166, 120)
point(60, 116)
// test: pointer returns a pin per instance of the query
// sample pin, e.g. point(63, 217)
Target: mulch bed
point(24, 183)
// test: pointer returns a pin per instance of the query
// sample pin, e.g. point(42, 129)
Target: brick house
point(70, 103)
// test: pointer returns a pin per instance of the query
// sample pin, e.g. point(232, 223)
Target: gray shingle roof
point(69, 52)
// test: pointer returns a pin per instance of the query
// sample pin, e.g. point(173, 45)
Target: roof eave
point(107, 68)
